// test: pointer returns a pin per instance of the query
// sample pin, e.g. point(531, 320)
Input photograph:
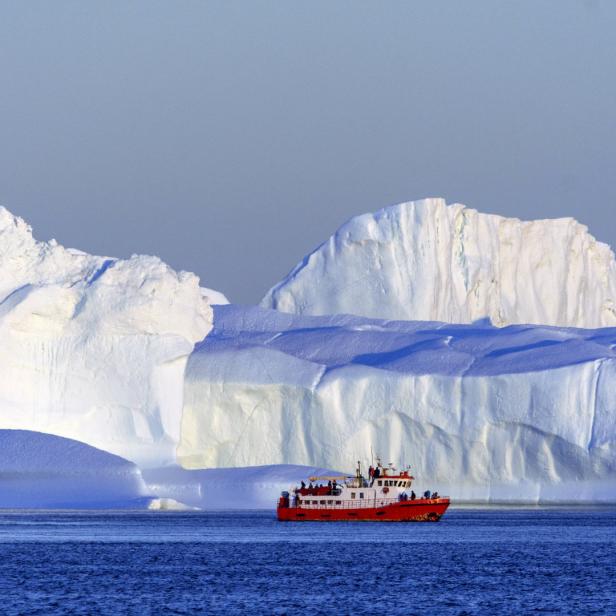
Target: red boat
point(382, 497)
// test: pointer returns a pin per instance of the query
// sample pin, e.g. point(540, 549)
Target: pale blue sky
point(230, 138)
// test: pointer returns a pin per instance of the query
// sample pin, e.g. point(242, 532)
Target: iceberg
point(46, 471)
point(94, 348)
point(428, 261)
point(185, 400)
point(521, 413)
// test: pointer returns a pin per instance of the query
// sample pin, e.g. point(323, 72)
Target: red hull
point(421, 510)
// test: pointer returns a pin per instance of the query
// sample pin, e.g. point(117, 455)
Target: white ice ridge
point(94, 348)
point(426, 260)
point(523, 413)
point(45, 471)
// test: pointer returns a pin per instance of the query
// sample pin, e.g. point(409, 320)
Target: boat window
point(322, 502)
point(338, 502)
point(329, 502)
point(387, 483)
point(400, 484)
point(408, 484)
point(361, 495)
point(380, 482)
point(352, 494)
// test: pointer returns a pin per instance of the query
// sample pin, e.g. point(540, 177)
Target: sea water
point(489, 561)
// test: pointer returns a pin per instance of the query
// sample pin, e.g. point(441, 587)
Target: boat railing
point(361, 503)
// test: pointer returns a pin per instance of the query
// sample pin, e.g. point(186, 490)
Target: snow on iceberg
point(522, 413)
point(425, 260)
point(94, 348)
point(45, 471)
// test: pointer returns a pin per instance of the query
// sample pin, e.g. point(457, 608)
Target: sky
point(231, 138)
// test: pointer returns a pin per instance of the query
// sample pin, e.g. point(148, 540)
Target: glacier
point(94, 348)
point(429, 261)
point(522, 413)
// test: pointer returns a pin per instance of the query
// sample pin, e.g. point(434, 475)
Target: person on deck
point(413, 495)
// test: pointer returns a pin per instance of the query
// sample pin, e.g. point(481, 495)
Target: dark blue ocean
point(489, 561)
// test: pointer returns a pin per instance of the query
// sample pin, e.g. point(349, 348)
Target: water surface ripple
point(533, 561)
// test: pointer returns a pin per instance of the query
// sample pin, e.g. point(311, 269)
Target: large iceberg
point(118, 354)
point(428, 261)
point(94, 348)
point(523, 413)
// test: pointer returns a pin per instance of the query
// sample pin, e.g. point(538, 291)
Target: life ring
point(385, 490)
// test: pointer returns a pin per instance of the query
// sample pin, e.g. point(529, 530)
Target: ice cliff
point(518, 413)
point(94, 348)
point(428, 261)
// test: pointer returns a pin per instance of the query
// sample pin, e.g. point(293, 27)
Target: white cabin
point(383, 487)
